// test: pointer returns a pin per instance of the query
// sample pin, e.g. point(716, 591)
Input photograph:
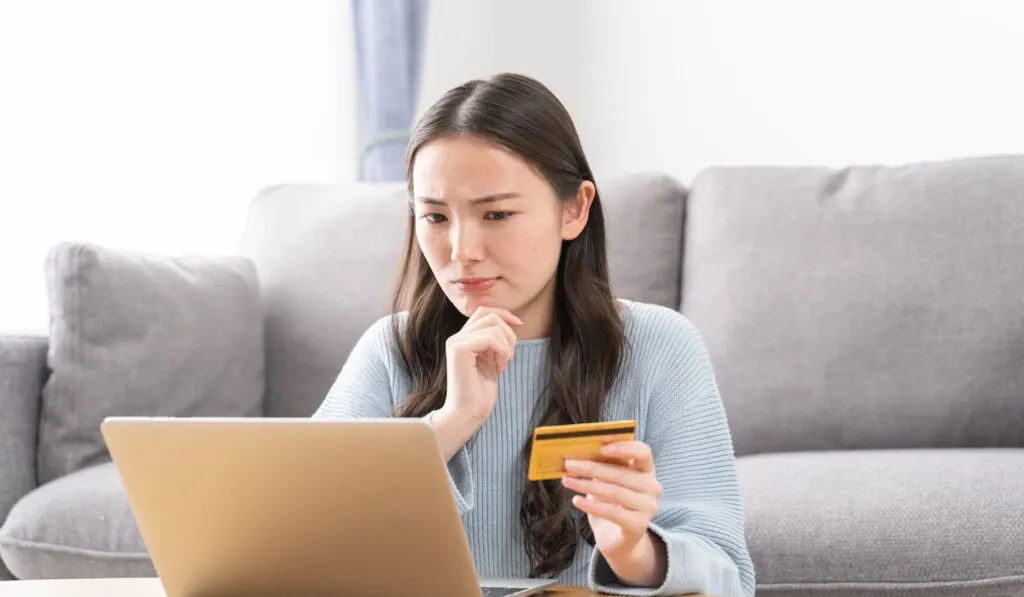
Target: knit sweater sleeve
point(700, 518)
point(365, 389)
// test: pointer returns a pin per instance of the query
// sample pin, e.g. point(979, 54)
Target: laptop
point(264, 506)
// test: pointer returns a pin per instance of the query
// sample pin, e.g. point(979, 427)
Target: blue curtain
point(389, 46)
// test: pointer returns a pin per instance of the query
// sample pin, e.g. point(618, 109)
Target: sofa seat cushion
point(78, 526)
point(887, 522)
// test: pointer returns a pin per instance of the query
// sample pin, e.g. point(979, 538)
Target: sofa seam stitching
point(64, 549)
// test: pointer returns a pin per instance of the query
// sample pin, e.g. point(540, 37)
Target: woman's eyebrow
point(476, 201)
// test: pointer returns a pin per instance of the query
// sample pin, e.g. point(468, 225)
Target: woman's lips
point(475, 285)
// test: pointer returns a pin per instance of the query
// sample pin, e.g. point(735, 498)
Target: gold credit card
point(554, 444)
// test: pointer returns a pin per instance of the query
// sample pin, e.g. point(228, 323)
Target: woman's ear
point(576, 211)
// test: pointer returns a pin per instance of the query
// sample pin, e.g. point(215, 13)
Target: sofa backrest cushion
point(868, 307)
point(327, 258)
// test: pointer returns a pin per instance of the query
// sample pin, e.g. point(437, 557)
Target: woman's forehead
point(464, 169)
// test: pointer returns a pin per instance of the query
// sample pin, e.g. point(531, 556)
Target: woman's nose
point(466, 242)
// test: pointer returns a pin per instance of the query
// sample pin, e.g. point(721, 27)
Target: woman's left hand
point(620, 500)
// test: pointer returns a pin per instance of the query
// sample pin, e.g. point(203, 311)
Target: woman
point(504, 320)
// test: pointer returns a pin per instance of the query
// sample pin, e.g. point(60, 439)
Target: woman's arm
point(363, 389)
point(363, 386)
point(452, 430)
point(699, 524)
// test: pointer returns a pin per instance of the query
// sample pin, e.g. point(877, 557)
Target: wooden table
point(146, 587)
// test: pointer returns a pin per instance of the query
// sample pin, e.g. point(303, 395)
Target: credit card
point(554, 444)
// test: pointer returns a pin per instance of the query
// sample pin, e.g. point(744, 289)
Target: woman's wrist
point(452, 430)
point(645, 565)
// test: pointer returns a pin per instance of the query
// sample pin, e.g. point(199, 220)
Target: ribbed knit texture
point(666, 384)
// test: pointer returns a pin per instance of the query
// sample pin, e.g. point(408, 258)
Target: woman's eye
point(498, 215)
point(433, 218)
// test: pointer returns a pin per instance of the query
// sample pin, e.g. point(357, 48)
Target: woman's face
point(491, 228)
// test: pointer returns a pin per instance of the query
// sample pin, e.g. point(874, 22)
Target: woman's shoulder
point(381, 327)
point(386, 324)
point(660, 342)
point(654, 325)
point(665, 360)
point(379, 337)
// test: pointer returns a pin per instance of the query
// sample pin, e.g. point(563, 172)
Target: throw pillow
point(136, 334)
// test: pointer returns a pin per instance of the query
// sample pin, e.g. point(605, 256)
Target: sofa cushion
point(78, 526)
point(328, 258)
point(644, 215)
point(135, 334)
point(22, 373)
point(906, 522)
point(868, 307)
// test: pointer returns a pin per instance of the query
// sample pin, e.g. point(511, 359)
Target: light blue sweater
point(666, 384)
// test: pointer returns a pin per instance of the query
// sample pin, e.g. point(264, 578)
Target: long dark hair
point(586, 339)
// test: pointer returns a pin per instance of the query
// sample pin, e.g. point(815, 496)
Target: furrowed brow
point(476, 201)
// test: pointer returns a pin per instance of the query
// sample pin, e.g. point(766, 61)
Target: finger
point(495, 341)
point(633, 523)
point(505, 353)
point(489, 358)
point(493, 320)
point(637, 454)
point(497, 359)
point(478, 343)
point(617, 474)
point(614, 494)
point(504, 314)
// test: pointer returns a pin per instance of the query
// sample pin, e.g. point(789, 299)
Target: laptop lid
point(262, 506)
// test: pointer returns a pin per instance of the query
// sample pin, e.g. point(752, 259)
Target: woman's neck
point(537, 316)
point(536, 325)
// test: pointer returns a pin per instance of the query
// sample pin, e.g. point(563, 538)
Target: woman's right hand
point(475, 356)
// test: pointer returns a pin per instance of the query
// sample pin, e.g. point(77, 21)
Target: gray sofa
point(866, 325)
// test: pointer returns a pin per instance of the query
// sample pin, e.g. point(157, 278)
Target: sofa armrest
point(23, 372)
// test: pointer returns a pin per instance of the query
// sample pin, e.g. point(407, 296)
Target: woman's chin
point(472, 303)
point(468, 304)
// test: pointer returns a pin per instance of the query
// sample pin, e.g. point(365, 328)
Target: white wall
point(681, 85)
point(150, 125)
point(469, 39)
